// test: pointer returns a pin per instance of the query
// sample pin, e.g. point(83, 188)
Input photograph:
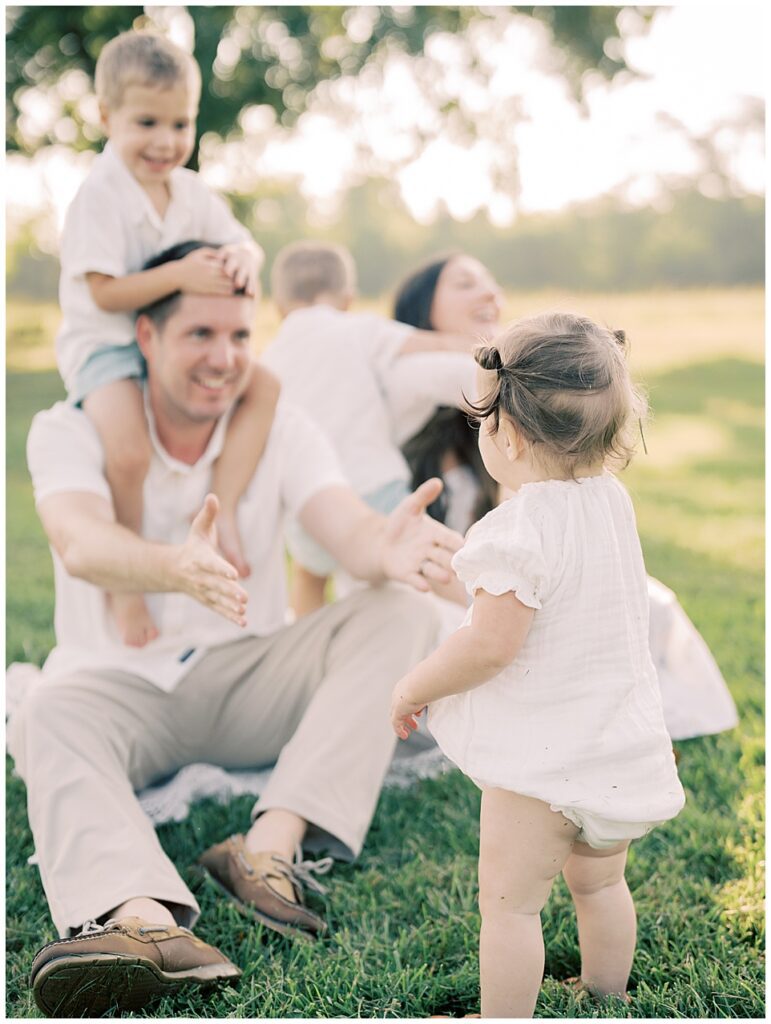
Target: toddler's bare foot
point(135, 626)
point(581, 990)
point(230, 542)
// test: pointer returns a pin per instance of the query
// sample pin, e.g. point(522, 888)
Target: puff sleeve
point(505, 552)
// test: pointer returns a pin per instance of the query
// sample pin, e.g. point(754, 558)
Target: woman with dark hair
point(458, 294)
point(439, 441)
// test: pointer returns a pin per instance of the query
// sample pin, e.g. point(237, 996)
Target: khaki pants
point(313, 697)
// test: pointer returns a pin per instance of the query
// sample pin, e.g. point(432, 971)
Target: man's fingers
point(418, 581)
point(446, 538)
point(205, 519)
point(429, 570)
point(220, 577)
point(426, 494)
point(232, 607)
point(218, 589)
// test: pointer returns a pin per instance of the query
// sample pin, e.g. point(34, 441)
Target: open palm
point(417, 549)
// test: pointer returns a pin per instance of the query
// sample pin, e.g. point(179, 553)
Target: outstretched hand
point(418, 550)
point(204, 574)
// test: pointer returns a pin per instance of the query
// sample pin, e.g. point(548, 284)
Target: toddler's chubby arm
point(93, 547)
point(471, 656)
point(202, 271)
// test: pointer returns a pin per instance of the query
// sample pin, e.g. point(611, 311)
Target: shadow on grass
point(690, 390)
point(727, 394)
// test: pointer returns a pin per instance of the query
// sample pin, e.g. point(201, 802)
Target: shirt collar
point(138, 202)
point(212, 452)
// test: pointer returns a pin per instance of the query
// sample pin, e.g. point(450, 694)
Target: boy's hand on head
point(204, 574)
point(202, 272)
point(242, 265)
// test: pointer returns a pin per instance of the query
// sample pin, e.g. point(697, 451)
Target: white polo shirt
point(332, 363)
point(65, 455)
point(113, 228)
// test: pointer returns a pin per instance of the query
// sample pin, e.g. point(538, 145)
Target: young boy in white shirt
point(334, 364)
point(138, 200)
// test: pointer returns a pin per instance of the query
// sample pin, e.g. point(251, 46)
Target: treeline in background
point(603, 245)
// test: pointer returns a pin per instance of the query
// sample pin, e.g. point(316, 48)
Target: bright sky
point(702, 65)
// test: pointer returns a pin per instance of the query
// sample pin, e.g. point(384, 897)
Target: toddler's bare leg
point(607, 925)
point(117, 411)
point(307, 590)
point(523, 847)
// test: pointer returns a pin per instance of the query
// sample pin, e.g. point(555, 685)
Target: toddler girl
point(566, 737)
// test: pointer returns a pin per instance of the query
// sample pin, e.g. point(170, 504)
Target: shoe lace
point(304, 870)
point(300, 873)
point(90, 927)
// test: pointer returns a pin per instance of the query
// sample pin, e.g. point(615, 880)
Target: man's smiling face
point(198, 359)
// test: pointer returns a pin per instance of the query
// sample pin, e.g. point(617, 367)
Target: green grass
point(403, 919)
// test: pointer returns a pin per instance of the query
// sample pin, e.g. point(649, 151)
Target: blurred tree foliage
point(259, 55)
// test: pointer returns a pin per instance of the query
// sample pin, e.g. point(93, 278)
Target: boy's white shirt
point(333, 364)
point(112, 228)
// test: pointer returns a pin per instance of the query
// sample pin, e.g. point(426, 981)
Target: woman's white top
point(576, 719)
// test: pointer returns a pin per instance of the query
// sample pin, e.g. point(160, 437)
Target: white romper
point(576, 719)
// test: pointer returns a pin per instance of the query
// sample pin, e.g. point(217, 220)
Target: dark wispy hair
point(563, 382)
point(449, 429)
point(415, 295)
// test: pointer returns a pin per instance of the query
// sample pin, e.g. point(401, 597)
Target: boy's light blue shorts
point(113, 362)
point(316, 559)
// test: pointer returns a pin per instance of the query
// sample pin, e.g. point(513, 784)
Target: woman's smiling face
point(467, 299)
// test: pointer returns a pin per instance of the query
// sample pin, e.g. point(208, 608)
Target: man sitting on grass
point(226, 682)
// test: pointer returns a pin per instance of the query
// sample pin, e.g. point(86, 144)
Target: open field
point(403, 919)
point(665, 328)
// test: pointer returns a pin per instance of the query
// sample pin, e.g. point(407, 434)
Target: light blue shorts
point(113, 362)
point(316, 559)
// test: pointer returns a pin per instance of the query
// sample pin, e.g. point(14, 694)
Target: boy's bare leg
point(523, 847)
point(117, 412)
point(307, 591)
point(607, 924)
point(245, 442)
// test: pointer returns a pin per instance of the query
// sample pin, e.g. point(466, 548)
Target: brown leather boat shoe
point(266, 886)
point(124, 965)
